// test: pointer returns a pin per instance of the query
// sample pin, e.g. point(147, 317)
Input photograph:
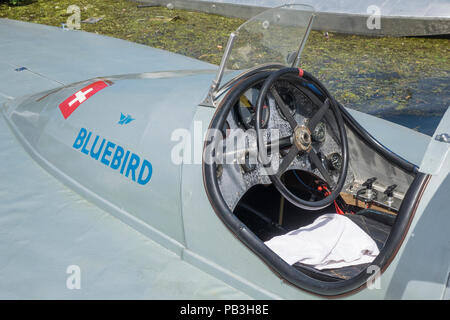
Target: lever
point(389, 192)
point(369, 193)
point(369, 182)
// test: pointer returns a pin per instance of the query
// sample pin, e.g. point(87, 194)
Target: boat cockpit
point(301, 182)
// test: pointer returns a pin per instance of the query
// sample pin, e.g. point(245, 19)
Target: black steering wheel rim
point(296, 148)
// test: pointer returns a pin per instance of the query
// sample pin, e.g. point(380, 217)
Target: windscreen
point(401, 79)
point(274, 36)
point(404, 80)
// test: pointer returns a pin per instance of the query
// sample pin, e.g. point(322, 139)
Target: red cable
point(338, 210)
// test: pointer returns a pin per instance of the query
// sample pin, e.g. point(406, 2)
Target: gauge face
point(246, 111)
point(335, 161)
point(320, 132)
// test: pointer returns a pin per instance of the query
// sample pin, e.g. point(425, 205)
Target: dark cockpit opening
point(266, 212)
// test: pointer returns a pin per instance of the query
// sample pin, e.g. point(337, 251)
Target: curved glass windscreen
point(274, 36)
point(400, 79)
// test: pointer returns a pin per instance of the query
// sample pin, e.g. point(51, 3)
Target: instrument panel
point(245, 109)
point(236, 179)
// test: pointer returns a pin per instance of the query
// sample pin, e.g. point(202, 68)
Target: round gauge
point(246, 111)
point(335, 161)
point(320, 132)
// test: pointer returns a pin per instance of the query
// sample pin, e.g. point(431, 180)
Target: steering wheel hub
point(302, 138)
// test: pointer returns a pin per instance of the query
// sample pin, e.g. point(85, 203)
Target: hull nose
point(110, 139)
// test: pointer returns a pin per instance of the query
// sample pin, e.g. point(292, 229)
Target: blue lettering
point(148, 165)
point(118, 160)
point(94, 154)
point(124, 162)
point(79, 140)
point(115, 162)
point(132, 166)
point(107, 152)
point(84, 150)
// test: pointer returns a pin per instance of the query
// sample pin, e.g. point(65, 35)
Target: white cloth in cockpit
point(331, 241)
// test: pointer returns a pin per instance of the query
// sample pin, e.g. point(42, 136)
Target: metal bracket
point(296, 62)
point(209, 100)
point(443, 137)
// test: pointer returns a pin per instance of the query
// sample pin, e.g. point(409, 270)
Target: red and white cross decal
point(74, 101)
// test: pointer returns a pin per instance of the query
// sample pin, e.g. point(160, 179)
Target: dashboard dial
point(320, 132)
point(335, 161)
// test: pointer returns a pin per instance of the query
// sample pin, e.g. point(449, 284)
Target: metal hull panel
point(47, 227)
point(63, 57)
point(50, 227)
point(122, 184)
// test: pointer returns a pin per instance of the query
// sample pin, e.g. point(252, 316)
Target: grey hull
point(45, 226)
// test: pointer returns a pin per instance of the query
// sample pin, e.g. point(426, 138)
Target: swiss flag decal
point(74, 101)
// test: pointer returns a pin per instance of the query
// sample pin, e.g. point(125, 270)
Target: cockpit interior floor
point(263, 218)
point(259, 209)
point(377, 230)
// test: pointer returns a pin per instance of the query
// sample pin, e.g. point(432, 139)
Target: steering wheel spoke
point(284, 108)
point(314, 121)
point(287, 160)
point(314, 158)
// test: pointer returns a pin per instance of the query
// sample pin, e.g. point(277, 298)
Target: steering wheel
point(301, 138)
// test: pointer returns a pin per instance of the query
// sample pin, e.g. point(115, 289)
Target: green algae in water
point(384, 76)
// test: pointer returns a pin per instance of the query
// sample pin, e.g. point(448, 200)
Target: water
point(429, 100)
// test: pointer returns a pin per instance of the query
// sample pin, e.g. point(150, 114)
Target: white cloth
point(331, 241)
